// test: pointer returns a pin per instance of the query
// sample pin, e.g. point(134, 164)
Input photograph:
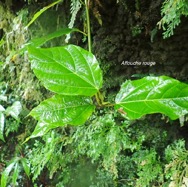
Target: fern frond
point(172, 12)
point(75, 7)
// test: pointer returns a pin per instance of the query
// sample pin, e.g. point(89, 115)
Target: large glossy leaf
point(2, 123)
point(153, 95)
point(68, 70)
point(61, 110)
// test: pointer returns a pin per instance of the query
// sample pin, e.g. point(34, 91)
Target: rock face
point(130, 34)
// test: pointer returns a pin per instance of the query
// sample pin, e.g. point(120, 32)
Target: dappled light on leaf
point(68, 70)
point(61, 110)
point(153, 95)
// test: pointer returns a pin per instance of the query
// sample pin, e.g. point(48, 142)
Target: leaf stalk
point(87, 2)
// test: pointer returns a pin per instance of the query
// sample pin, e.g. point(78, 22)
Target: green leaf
point(68, 70)
point(14, 110)
point(15, 174)
point(5, 174)
point(2, 41)
point(153, 95)
point(2, 123)
point(59, 111)
point(2, 109)
point(25, 166)
point(42, 11)
point(40, 41)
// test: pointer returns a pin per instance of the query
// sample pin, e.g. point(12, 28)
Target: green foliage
point(71, 70)
point(36, 156)
point(172, 11)
point(106, 152)
point(74, 9)
point(136, 30)
point(12, 171)
point(14, 110)
point(2, 121)
point(176, 171)
point(40, 41)
point(102, 149)
point(149, 168)
point(36, 15)
point(6, 172)
point(59, 111)
point(10, 122)
point(68, 70)
point(152, 95)
point(55, 160)
point(74, 75)
point(105, 138)
point(85, 148)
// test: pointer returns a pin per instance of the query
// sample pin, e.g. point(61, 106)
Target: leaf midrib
point(68, 107)
point(94, 80)
point(150, 100)
point(86, 80)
